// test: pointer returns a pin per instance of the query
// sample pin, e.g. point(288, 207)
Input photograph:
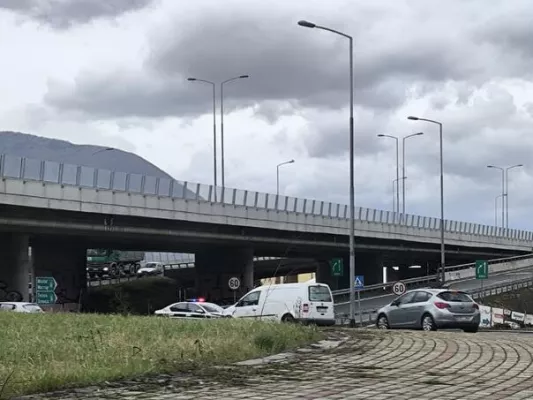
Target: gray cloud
point(395, 59)
point(62, 14)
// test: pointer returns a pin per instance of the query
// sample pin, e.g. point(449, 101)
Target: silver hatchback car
point(430, 309)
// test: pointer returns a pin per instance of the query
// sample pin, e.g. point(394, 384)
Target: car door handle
point(254, 309)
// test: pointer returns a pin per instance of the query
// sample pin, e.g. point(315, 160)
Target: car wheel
point(428, 324)
point(472, 329)
point(287, 318)
point(382, 322)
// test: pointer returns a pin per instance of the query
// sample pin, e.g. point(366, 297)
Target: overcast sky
point(114, 73)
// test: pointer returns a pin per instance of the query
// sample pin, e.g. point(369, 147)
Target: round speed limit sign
point(234, 283)
point(398, 288)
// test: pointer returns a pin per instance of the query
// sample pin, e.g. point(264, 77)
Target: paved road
point(375, 365)
point(374, 303)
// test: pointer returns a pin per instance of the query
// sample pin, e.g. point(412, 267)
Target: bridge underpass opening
point(16, 266)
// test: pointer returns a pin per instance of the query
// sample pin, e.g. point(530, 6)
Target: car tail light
point(476, 306)
point(306, 308)
point(441, 305)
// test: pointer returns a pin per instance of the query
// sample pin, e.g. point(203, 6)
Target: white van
point(307, 302)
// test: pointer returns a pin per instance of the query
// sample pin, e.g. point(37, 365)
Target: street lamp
point(503, 191)
point(397, 170)
point(442, 249)
point(507, 193)
point(214, 131)
point(403, 166)
point(395, 191)
point(308, 24)
point(277, 173)
point(222, 122)
point(102, 150)
point(496, 208)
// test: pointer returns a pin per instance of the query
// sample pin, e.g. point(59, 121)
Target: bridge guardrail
point(16, 167)
point(386, 288)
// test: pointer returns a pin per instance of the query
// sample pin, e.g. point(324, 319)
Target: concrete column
point(65, 261)
point(15, 267)
point(214, 268)
point(323, 274)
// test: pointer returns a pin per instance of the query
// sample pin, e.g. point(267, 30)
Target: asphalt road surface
point(371, 304)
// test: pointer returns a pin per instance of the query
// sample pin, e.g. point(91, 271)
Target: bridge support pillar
point(15, 267)
point(65, 261)
point(323, 274)
point(216, 265)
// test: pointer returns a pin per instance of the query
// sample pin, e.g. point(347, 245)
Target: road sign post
point(337, 267)
point(234, 283)
point(45, 289)
point(359, 284)
point(482, 272)
point(398, 288)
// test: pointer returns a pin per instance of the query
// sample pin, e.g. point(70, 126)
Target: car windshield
point(96, 252)
point(212, 308)
point(459, 297)
point(319, 293)
point(150, 265)
point(32, 308)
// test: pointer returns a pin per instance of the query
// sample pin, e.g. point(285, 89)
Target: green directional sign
point(337, 267)
point(45, 283)
point(45, 289)
point(482, 269)
point(46, 297)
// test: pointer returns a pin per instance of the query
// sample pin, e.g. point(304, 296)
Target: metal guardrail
point(369, 316)
point(493, 290)
point(386, 288)
point(82, 176)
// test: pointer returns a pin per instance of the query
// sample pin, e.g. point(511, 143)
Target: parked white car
point(20, 307)
point(307, 302)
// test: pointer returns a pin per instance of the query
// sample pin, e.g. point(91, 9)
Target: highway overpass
point(60, 210)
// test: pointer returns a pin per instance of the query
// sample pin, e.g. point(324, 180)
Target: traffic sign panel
point(359, 281)
point(234, 283)
point(482, 269)
point(45, 283)
point(337, 267)
point(398, 288)
point(46, 297)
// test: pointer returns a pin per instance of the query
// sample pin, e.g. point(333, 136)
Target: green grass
point(44, 352)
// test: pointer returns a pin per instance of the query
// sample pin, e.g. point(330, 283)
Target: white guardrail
point(453, 273)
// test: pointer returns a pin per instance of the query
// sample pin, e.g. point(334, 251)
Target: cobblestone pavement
point(370, 364)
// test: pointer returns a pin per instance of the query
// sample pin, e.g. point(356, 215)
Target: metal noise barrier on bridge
point(16, 167)
point(341, 296)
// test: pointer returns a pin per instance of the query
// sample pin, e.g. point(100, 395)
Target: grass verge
point(45, 352)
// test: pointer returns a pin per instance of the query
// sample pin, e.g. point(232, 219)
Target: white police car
point(193, 309)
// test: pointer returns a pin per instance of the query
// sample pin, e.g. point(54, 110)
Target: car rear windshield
point(319, 293)
point(459, 297)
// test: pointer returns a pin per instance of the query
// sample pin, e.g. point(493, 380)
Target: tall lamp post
point(214, 130)
point(403, 166)
point(222, 124)
point(277, 173)
point(507, 192)
point(395, 184)
point(442, 249)
point(397, 170)
point(308, 24)
point(503, 191)
point(496, 208)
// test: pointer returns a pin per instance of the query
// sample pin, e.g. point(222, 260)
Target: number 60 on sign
point(398, 288)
